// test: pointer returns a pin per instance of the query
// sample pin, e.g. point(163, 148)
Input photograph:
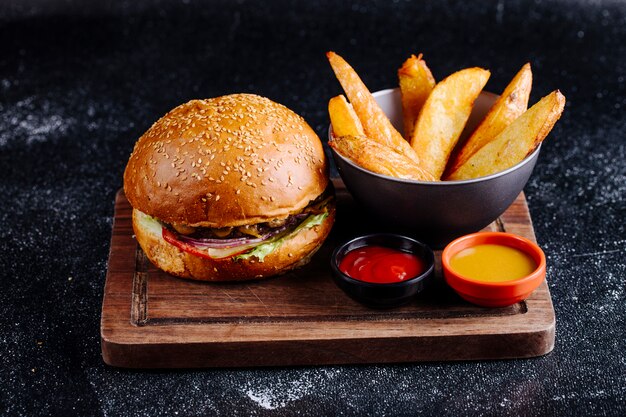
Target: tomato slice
point(209, 253)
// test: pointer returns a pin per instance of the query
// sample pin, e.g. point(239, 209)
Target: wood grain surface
point(153, 320)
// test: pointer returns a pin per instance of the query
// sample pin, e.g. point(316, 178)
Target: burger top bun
point(228, 161)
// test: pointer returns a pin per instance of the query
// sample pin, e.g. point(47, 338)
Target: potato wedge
point(376, 125)
point(508, 107)
point(443, 117)
point(516, 141)
point(343, 119)
point(378, 158)
point(416, 83)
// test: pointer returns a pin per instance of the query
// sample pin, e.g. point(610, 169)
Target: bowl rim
point(437, 183)
point(430, 262)
point(502, 238)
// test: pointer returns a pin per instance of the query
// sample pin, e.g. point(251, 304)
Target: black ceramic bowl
point(436, 212)
point(383, 295)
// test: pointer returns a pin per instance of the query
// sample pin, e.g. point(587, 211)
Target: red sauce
point(380, 265)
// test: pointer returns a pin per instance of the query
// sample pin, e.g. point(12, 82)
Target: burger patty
point(257, 230)
point(253, 230)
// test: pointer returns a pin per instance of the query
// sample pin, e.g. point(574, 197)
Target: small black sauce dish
point(386, 295)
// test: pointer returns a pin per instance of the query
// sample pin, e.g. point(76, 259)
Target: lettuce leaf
point(149, 223)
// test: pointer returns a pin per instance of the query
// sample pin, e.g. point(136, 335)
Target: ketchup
point(380, 265)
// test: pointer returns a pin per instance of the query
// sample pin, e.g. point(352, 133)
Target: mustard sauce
point(492, 263)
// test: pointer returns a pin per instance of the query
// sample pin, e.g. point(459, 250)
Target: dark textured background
point(78, 86)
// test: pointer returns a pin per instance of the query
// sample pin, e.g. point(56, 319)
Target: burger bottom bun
point(293, 253)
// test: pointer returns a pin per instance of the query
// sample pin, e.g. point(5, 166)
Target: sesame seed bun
point(228, 161)
point(236, 160)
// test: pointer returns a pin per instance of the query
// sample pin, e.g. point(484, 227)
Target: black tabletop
point(79, 85)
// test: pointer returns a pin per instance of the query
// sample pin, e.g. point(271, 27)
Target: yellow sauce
point(492, 263)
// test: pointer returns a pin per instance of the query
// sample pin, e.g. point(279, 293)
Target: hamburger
point(229, 188)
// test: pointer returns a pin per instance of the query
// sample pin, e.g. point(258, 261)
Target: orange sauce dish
point(493, 269)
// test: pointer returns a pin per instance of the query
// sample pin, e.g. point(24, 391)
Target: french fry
point(344, 120)
point(516, 141)
point(416, 84)
point(378, 158)
point(443, 117)
point(508, 107)
point(375, 123)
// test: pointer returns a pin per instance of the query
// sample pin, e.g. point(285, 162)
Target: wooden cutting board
point(153, 320)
